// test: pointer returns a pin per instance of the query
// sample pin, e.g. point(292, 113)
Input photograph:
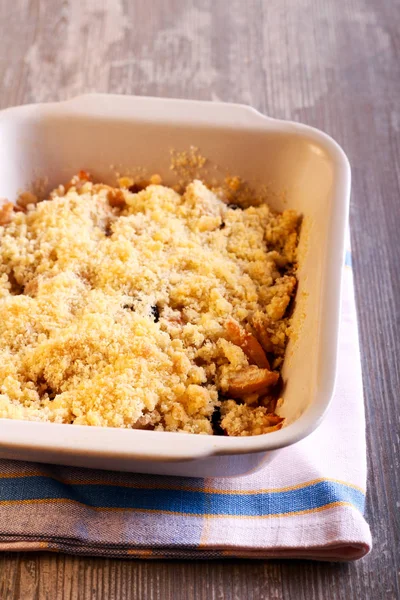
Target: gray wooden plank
point(332, 65)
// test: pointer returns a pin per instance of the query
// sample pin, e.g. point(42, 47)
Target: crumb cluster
point(144, 308)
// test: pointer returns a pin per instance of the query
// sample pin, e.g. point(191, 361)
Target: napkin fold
point(308, 502)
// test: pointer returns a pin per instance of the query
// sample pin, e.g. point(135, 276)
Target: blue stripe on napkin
point(311, 497)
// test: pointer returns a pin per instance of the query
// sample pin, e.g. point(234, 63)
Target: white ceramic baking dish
point(301, 167)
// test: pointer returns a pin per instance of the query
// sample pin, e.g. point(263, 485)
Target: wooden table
point(335, 65)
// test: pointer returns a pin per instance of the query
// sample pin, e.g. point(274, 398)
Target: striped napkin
point(307, 503)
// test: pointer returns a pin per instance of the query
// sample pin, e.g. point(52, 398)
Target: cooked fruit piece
point(260, 323)
point(250, 380)
point(248, 343)
point(26, 198)
point(6, 212)
point(116, 198)
point(84, 176)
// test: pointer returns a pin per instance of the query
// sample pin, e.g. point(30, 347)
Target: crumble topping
point(138, 306)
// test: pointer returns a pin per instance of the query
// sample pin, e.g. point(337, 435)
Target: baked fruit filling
point(143, 307)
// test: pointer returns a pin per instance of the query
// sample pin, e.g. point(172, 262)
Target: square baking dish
point(300, 167)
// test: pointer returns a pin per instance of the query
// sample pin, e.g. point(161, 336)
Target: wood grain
point(335, 65)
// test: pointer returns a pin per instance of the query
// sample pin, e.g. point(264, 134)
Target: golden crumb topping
point(129, 307)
